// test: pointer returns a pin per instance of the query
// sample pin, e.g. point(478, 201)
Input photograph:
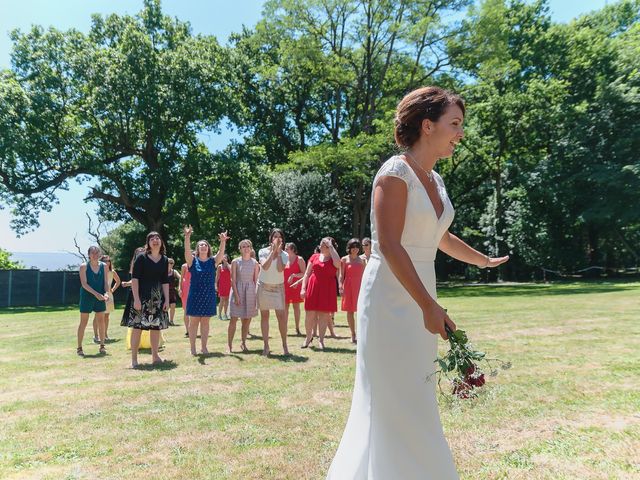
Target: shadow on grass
point(288, 358)
point(280, 356)
point(202, 357)
point(165, 365)
point(333, 350)
point(533, 289)
point(94, 355)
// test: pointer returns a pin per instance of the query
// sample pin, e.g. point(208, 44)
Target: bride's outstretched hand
point(435, 317)
point(494, 262)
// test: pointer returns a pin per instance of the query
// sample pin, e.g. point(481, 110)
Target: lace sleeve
point(394, 167)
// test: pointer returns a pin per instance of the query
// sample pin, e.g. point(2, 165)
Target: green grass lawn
point(568, 409)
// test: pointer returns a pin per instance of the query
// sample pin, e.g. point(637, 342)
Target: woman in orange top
point(351, 270)
point(293, 271)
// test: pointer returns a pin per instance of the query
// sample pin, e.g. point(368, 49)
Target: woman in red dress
point(293, 271)
point(223, 287)
point(185, 281)
point(351, 272)
point(319, 290)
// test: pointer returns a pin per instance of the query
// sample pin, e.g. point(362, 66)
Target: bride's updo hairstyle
point(423, 103)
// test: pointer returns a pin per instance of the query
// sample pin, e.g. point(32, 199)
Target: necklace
point(429, 174)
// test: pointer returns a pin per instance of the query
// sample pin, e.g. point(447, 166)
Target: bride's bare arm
point(389, 205)
point(458, 249)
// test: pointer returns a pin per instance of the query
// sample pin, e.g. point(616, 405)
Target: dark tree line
point(549, 170)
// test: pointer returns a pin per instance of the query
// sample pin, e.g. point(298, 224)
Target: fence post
point(9, 289)
point(38, 289)
point(64, 286)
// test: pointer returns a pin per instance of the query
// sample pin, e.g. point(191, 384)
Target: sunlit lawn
point(568, 409)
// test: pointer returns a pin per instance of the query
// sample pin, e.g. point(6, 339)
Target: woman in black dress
point(150, 291)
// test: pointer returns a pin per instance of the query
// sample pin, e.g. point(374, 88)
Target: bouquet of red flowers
point(461, 366)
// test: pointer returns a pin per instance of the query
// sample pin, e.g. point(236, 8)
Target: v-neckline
point(156, 262)
point(92, 270)
point(444, 204)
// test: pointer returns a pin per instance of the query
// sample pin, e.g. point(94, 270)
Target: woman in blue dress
point(202, 290)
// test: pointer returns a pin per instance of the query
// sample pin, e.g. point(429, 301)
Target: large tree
point(327, 73)
point(120, 106)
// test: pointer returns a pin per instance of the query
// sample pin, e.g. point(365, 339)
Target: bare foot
point(134, 365)
point(306, 344)
point(353, 340)
point(320, 345)
point(194, 353)
point(205, 351)
point(229, 350)
point(266, 352)
point(286, 351)
point(243, 347)
point(157, 360)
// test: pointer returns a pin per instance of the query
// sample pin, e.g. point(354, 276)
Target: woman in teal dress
point(93, 295)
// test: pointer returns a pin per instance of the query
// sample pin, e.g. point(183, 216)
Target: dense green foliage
point(6, 263)
point(549, 171)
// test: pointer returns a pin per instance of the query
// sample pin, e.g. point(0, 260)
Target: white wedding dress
point(394, 430)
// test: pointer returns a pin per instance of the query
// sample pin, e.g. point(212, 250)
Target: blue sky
point(217, 17)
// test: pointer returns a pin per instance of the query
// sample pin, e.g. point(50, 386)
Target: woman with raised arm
point(150, 292)
point(201, 305)
point(244, 278)
point(319, 290)
point(94, 292)
point(394, 428)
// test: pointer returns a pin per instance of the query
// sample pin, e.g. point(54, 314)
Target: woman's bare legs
point(154, 336)
point(99, 318)
point(84, 319)
point(231, 331)
point(245, 332)
point(296, 317)
point(351, 320)
point(264, 327)
point(135, 344)
point(106, 326)
point(332, 332)
point(323, 321)
point(224, 308)
point(193, 332)
point(310, 324)
point(204, 334)
point(282, 326)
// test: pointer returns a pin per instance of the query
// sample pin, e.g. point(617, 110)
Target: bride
point(394, 429)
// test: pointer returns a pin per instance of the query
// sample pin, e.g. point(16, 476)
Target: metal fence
point(22, 288)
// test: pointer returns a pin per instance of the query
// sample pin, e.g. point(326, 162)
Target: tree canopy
point(549, 170)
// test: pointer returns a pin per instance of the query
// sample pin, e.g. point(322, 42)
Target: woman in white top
point(394, 429)
point(270, 290)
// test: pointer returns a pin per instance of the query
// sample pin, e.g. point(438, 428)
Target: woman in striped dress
point(244, 276)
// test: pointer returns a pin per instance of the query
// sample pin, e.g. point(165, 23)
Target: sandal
point(306, 345)
point(102, 350)
point(80, 352)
